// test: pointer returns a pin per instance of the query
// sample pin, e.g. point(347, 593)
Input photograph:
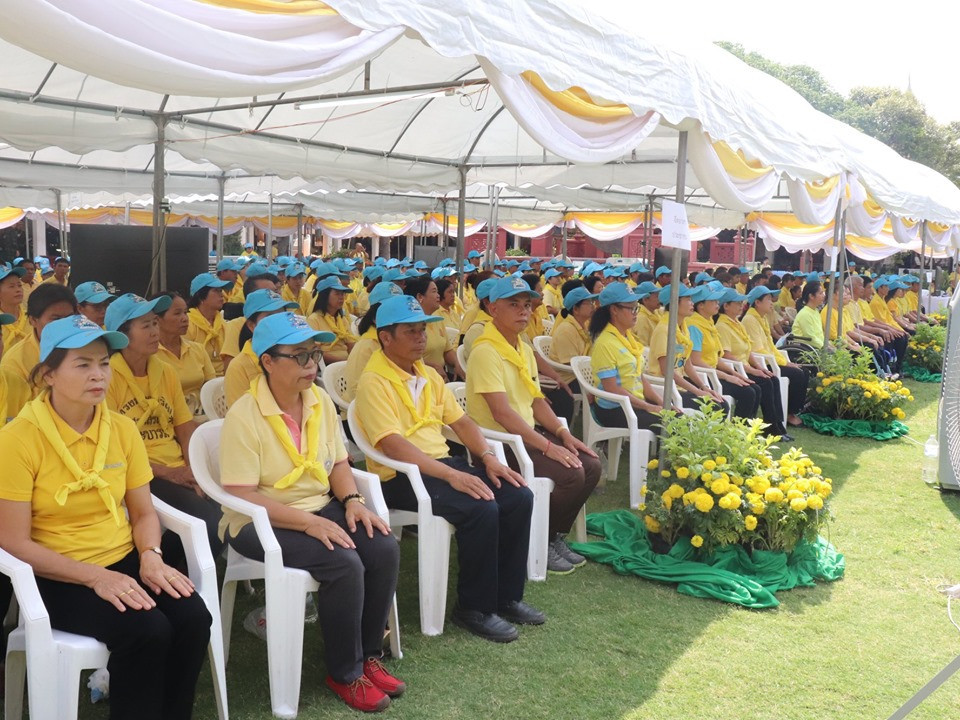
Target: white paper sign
point(675, 230)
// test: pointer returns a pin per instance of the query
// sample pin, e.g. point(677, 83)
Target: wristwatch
point(354, 496)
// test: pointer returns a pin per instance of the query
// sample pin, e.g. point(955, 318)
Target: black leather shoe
point(489, 626)
point(522, 614)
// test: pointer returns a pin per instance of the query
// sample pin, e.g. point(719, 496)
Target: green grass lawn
point(621, 647)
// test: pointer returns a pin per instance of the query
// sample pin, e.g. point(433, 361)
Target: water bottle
point(931, 460)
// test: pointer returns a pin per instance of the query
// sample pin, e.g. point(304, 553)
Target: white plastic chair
point(213, 400)
point(542, 345)
point(433, 533)
point(335, 383)
point(770, 363)
point(712, 380)
point(640, 440)
point(286, 587)
point(462, 357)
point(453, 335)
point(541, 488)
point(51, 660)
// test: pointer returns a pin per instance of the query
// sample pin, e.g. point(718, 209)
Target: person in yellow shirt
point(447, 289)
point(617, 360)
point(229, 271)
point(440, 352)
point(11, 303)
point(281, 449)
point(552, 297)
point(328, 315)
point(46, 304)
point(368, 343)
point(92, 299)
point(895, 337)
point(503, 393)
point(474, 321)
point(248, 251)
point(246, 366)
point(14, 394)
point(360, 253)
point(231, 328)
point(571, 337)
point(785, 297)
point(840, 310)
point(187, 358)
point(29, 278)
point(206, 322)
point(146, 390)
point(647, 311)
point(71, 468)
point(896, 304)
point(61, 272)
point(402, 405)
point(293, 290)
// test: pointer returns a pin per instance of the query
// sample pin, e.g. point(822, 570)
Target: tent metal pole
point(126, 213)
point(445, 239)
point(461, 211)
point(647, 230)
point(842, 258)
point(487, 252)
point(60, 228)
point(837, 219)
point(563, 234)
point(268, 250)
point(300, 231)
point(28, 254)
point(221, 184)
point(676, 265)
point(495, 226)
point(158, 267)
point(923, 252)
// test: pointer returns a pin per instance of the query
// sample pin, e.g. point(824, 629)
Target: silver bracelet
point(486, 452)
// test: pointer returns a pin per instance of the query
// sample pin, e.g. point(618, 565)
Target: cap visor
point(115, 340)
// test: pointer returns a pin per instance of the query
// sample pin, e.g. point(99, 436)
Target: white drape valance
point(742, 188)
point(816, 204)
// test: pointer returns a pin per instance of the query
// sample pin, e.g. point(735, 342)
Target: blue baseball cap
point(406, 262)
point(613, 271)
point(374, 271)
point(565, 264)
point(447, 262)
point(702, 277)
point(552, 273)
point(77, 331)
point(410, 274)
point(731, 295)
point(92, 292)
point(284, 260)
point(662, 270)
point(384, 290)
point(646, 289)
point(499, 273)
point(638, 267)
point(228, 264)
point(484, 288)
point(473, 254)
point(683, 291)
point(61, 259)
point(590, 268)
point(744, 270)
point(7, 270)
point(439, 273)
point(256, 269)
point(813, 277)
point(525, 266)
point(324, 269)
point(331, 282)
point(265, 301)
point(17, 262)
point(248, 245)
point(393, 274)
point(393, 262)
point(131, 306)
point(576, 296)
point(285, 329)
point(420, 265)
point(617, 292)
point(402, 309)
point(380, 261)
point(510, 286)
point(295, 269)
point(703, 293)
point(760, 291)
point(205, 280)
point(469, 267)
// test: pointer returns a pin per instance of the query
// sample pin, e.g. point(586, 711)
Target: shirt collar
point(268, 404)
point(71, 436)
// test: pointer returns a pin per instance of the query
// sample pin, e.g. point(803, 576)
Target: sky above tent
point(850, 43)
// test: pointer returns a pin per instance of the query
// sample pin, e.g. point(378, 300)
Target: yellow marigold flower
point(706, 477)
point(815, 502)
point(867, 394)
point(683, 473)
point(820, 390)
point(667, 501)
point(750, 522)
point(641, 507)
point(653, 464)
point(773, 495)
point(719, 487)
point(724, 476)
point(753, 497)
point(819, 374)
point(737, 480)
point(758, 508)
point(653, 525)
point(793, 494)
point(709, 465)
point(675, 491)
point(761, 485)
point(665, 473)
point(798, 504)
point(735, 490)
point(696, 541)
point(733, 500)
point(816, 470)
point(704, 502)
point(721, 460)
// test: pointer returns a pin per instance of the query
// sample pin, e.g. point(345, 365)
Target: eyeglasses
point(629, 307)
point(302, 358)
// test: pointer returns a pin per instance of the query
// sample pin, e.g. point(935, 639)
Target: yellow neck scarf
point(212, 333)
point(371, 333)
point(736, 326)
point(149, 404)
point(338, 326)
point(379, 364)
point(761, 319)
point(248, 351)
point(303, 463)
point(584, 335)
point(17, 330)
point(629, 341)
point(3, 400)
point(39, 414)
point(511, 354)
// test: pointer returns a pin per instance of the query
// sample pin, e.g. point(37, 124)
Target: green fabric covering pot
point(855, 428)
point(921, 374)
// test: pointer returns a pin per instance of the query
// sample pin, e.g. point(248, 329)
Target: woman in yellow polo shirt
point(206, 322)
point(146, 389)
point(571, 335)
point(281, 448)
point(648, 311)
point(447, 290)
point(14, 391)
point(617, 359)
point(71, 467)
point(440, 352)
point(188, 358)
point(328, 315)
point(11, 303)
point(368, 343)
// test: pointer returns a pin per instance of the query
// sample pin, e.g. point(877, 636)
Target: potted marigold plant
point(924, 359)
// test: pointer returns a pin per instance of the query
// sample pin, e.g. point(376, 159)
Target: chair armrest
point(368, 485)
point(734, 366)
point(32, 609)
point(193, 536)
point(515, 443)
point(710, 377)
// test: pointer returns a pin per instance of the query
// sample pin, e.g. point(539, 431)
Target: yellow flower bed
point(846, 388)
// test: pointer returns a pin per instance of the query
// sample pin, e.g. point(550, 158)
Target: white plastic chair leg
point(539, 529)
point(614, 448)
point(285, 613)
point(15, 678)
point(639, 454)
point(434, 562)
point(580, 525)
point(228, 596)
point(785, 397)
point(394, 626)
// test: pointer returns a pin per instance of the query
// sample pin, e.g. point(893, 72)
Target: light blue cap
point(525, 266)
point(744, 270)
point(17, 262)
point(813, 277)
point(380, 261)
point(617, 292)
point(324, 269)
point(406, 262)
point(499, 273)
point(760, 291)
point(256, 269)
point(613, 271)
point(130, 306)
point(484, 288)
point(393, 274)
point(469, 267)
point(77, 332)
point(276, 269)
point(284, 260)
point(92, 292)
point(512, 263)
point(565, 264)
point(473, 254)
point(296, 269)
point(205, 280)
point(285, 329)
point(393, 262)
point(590, 268)
point(638, 267)
point(61, 258)
point(228, 264)
point(384, 290)
point(683, 291)
point(510, 286)
point(447, 262)
point(265, 301)
point(331, 282)
point(410, 274)
point(702, 278)
point(646, 289)
point(552, 273)
point(402, 309)
point(704, 293)
point(374, 271)
point(731, 295)
point(439, 273)
point(248, 245)
point(6, 270)
point(909, 278)
point(662, 270)
point(577, 295)
point(420, 265)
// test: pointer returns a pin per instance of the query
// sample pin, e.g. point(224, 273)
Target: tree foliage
point(893, 116)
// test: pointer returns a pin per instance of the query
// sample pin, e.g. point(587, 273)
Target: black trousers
point(561, 402)
point(356, 587)
point(899, 346)
point(186, 500)
point(692, 401)
point(797, 393)
point(155, 655)
point(493, 536)
point(614, 417)
point(746, 398)
point(771, 404)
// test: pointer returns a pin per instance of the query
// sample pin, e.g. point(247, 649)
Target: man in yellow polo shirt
point(61, 271)
point(403, 404)
point(552, 297)
point(647, 315)
point(503, 393)
point(229, 270)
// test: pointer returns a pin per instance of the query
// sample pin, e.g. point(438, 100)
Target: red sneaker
point(361, 694)
point(377, 673)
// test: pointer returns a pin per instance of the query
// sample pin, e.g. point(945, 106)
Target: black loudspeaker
point(664, 256)
point(119, 256)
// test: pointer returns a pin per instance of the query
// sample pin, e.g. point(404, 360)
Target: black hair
point(48, 294)
point(692, 277)
point(590, 283)
point(867, 281)
point(369, 320)
point(476, 278)
point(645, 277)
point(809, 290)
point(442, 285)
point(721, 275)
point(418, 285)
point(170, 294)
point(322, 299)
point(200, 295)
point(245, 332)
point(250, 284)
point(754, 281)
point(531, 279)
point(773, 282)
point(570, 285)
point(786, 277)
point(599, 320)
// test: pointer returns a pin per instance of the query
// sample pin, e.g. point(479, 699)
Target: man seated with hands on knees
point(402, 405)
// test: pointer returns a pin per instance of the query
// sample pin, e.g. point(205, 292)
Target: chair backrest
point(204, 452)
point(335, 383)
point(583, 369)
point(453, 336)
point(459, 390)
point(462, 357)
point(542, 344)
point(213, 400)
